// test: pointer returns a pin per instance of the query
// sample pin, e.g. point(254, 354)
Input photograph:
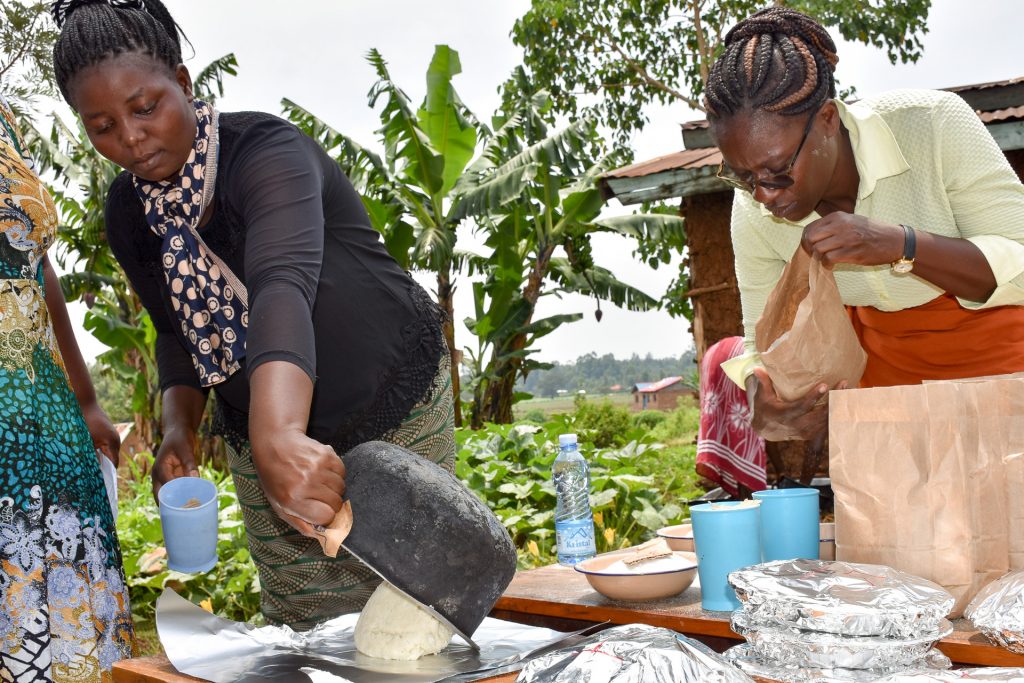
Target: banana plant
point(408, 192)
point(532, 194)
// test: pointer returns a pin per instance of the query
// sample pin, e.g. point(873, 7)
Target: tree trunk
point(446, 299)
point(496, 405)
point(147, 423)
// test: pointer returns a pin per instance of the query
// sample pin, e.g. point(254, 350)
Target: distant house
point(661, 395)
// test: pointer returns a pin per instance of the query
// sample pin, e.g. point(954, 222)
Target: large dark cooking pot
point(424, 532)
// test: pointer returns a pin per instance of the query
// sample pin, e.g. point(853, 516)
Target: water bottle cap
point(566, 439)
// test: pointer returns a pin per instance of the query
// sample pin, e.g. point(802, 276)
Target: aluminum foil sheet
point(744, 657)
point(998, 611)
point(206, 646)
point(990, 673)
point(634, 653)
point(830, 651)
point(841, 597)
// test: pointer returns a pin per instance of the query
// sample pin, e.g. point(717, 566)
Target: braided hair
point(776, 60)
point(95, 30)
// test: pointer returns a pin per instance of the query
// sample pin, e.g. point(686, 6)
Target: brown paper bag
point(919, 478)
point(805, 336)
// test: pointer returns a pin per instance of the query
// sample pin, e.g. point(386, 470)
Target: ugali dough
point(393, 626)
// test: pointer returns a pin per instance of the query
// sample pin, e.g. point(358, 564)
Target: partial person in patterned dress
point(729, 452)
point(266, 283)
point(64, 612)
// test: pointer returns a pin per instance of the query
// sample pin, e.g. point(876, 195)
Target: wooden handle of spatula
point(332, 536)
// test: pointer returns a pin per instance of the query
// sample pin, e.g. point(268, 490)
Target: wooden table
point(560, 597)
point(159, 670)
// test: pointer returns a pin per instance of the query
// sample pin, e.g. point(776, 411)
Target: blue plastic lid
point(566, 439)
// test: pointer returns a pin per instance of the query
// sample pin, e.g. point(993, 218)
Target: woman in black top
point(265, 281)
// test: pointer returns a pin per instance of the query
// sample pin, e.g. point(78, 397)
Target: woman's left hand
point(104, 435)
point(848, 238)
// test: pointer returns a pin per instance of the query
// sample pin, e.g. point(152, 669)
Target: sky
point(313, 52)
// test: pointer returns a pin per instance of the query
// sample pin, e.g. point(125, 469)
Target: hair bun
point(62, 9)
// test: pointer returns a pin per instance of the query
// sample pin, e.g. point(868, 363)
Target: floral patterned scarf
point(210, 302)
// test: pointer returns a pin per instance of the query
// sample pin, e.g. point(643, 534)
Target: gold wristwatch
point(906, 264)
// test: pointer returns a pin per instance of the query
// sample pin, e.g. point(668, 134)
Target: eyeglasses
point(779, 181)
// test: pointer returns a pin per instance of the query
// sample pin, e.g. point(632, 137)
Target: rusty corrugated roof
point(687, 158)
point(1009, 114)
point(986, 86)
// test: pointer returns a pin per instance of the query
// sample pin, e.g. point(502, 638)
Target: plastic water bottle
point(574, 524)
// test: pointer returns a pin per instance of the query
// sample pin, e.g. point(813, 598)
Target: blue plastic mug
point(727, 537)
point(188, 515)
point(789, 524)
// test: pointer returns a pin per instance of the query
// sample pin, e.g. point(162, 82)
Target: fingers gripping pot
point(425, 533)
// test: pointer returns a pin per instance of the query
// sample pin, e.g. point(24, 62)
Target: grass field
point(566, 404)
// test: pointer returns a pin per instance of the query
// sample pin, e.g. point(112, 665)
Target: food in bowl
point(662, 577)
point(679, 537)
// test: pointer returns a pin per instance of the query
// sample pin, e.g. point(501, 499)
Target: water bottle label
point(575, 537)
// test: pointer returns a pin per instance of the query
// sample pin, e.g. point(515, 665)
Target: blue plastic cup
point(726, 537)
point(188, 515)
point(789, 524)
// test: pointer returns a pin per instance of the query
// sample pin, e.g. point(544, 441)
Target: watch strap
point(909, 243)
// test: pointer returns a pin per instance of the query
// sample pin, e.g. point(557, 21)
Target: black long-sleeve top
point(324, 293)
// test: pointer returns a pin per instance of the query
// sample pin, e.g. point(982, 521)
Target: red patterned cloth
point(729, 451)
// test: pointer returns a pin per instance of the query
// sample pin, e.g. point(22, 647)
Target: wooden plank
point(557, 592)
point(1009, 135)
point(561, 592)
point(156, 669)
point(995, 97)
point(665, 185)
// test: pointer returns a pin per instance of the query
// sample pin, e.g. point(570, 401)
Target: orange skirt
point(938, 340)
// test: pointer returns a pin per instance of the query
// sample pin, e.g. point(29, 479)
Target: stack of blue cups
point(779, 524)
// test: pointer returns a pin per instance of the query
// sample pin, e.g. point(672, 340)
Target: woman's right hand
point(303, 479)
point(807, 415)
point(176, 457)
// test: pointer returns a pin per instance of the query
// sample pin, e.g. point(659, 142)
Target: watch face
point(901, 267)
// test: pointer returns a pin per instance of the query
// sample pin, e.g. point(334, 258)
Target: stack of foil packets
point(808, 620)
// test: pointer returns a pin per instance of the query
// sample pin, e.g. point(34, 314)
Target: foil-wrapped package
point(744, 657)
point(831, 651)
point(989, 673)
point(634, 653)
point(998, 611)
point(841, 597)
point(214, 649)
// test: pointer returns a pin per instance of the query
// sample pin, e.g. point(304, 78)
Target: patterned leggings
point(300, 586)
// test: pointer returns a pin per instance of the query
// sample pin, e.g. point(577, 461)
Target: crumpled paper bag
point(805, 336)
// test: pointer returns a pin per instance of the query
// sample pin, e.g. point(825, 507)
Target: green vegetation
point(231, 589)
point(640, 478)
point(611, 60)
point(527, 191)
point(640, 481)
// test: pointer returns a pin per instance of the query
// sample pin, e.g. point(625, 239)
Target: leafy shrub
point(231, 589)
point(509, 468)
point(536, 416)
point(679, 425)
point(603, 423)
point(649, 419)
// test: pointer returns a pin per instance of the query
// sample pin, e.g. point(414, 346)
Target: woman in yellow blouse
point(905, 196)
